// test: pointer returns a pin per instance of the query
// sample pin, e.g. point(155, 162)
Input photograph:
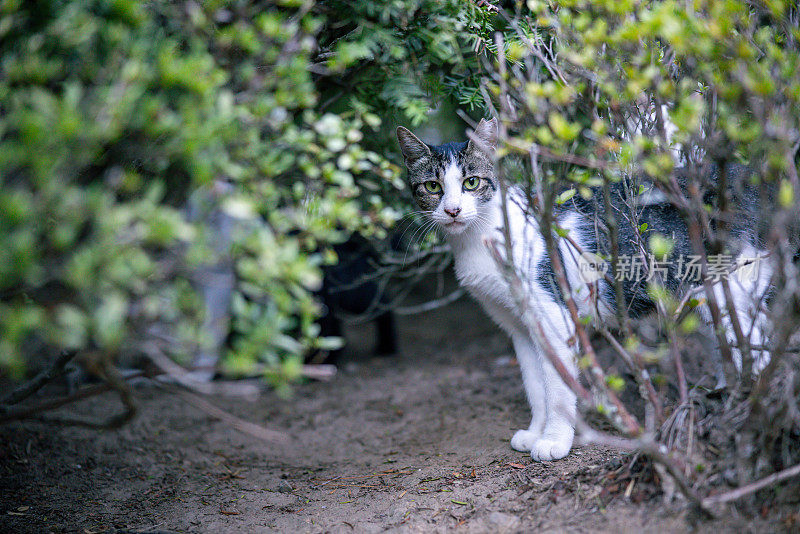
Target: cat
point(455, 186)
point(350, 287)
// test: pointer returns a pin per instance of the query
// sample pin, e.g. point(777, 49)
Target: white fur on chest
point(485, 283)
point(478, 272)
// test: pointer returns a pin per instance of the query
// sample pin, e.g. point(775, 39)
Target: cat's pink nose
point(452, 212)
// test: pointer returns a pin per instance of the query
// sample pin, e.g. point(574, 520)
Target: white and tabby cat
point(455, 185)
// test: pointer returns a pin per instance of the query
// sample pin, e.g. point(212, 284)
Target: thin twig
point(643, 375)
point(632, 426)
point(431, 304)
point(646, 445)
point(113, 382)
point(572, 159)
point(27, 389)
point(738, 493)
point(245, 427)
point(321, 371)
point(515, 285)
point(27, 412)
point(596, 372)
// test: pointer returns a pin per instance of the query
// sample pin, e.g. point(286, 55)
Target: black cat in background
point(352, 287)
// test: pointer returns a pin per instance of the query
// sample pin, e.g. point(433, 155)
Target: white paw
point(546, 449)
point(523, 440)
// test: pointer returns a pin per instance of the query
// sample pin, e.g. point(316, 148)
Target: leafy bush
point(126, 127)
point(597, 93)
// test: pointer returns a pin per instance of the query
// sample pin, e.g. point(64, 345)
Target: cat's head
point(455, 182)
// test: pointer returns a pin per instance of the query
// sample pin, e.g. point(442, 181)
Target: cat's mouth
point(455, 227)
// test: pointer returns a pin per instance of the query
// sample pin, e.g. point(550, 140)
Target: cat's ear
point(485, 134)
point(412, 147)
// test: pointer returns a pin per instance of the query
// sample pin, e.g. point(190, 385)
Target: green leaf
point(562, 128)
point(565, 196)
point(660, 246)
point(786, 194)
point(615, 382)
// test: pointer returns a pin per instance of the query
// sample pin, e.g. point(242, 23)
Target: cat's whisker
point(483, 223)
point(409, 218)
point(424, 229)
point(425, 221)
point(427, 230)
point(411, 223)
point(430, 228)
point(415, 213)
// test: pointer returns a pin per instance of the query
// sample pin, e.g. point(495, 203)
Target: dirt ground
point(416, 443)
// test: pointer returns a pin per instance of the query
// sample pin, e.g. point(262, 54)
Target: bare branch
point(27, 389)
point(651, 448)
point(765, 482)
point(515, 285)
point(431, 304)
point(245, 427)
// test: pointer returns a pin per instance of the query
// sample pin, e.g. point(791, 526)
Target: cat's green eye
point(433, 187)
point(472, 183)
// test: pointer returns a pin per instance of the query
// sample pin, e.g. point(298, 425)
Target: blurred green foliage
point(610, 81)
point(657, 94)
point(604, 91)
point(117, 114)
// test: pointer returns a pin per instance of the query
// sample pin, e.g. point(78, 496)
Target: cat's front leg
point(558, 433)
point(533, 381)
point(559, 428)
